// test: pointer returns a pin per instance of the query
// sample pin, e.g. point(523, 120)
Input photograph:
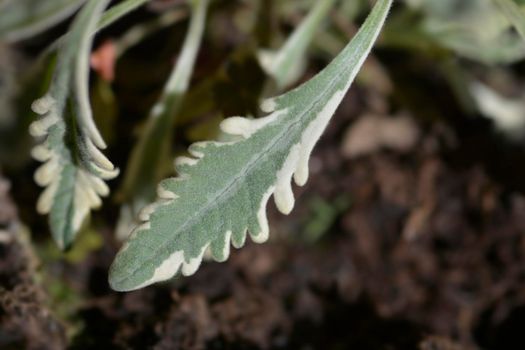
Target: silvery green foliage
point(286, 64)
point(74, 167)
point(109, 17)
point(149, 157)
point(141, 31)
point(456, 25)
point(514, 13)
point(118, 11)
point(223, 190)
point(20, 19)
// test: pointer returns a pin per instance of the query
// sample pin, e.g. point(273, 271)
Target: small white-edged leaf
point(21, 19)
point(151, 154)
point(223, 195)
point(74, 167)
point(287, 64)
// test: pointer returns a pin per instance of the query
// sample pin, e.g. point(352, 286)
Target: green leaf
point(286, 65)
point(141, 31)
point(74, 167)
point(151, 154)
point(514, 14)
point(508, 114)
point(222, 193)
point(21, 19)
point(456, 25)
point(118, 11)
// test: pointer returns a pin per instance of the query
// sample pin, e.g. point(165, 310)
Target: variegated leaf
point(74, 166)
point(148, 158)
point(223, 190)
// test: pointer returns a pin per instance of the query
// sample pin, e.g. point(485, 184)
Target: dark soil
point(25, 319)
point(424, 257)
point(419, 249)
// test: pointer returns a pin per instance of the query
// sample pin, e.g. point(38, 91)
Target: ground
point(393, 248)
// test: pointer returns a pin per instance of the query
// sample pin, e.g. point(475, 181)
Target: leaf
point(139, 32)
point(21, 19)
point(222, 193)
point(456, 25)
point(514, 14)
point(8, 87)
point(286, 65)
point(508, 114)
point(152, 150)
point(30, 82)
point(118, 11)
point(74, 167)
point(109, 17)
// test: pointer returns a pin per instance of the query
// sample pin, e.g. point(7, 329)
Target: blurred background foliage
point(469, 45)
point(466, 41)
point(464, 51)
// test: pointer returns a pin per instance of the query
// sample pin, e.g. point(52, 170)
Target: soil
point(424, 256)
point(403, 245)
point(26, 321)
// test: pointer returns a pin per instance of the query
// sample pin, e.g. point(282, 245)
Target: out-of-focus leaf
point(233, 89)
point(239, 85)
point(508, 114)
point(287, 64)
point(514, 14)
point(31, 82)
point(118, 11)
point(504, 49)
point(475, 29)
point(21, 19)
point(205, 130)
point(74, 167)
point(8, 86)
point(351, 9)
point(323, 215)
point(109, 17)
point(149, 159)
point(141, 31)
point(222, 192)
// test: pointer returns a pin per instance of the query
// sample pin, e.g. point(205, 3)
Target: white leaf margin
point(92, 167)
point(295, 165)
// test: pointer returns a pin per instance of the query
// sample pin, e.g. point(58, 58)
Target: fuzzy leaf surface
point(222, 193)
point(74, 167)
point(148, 158)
